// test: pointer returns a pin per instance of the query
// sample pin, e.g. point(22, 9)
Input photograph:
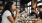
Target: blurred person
point(40, 13)
point(8, 13)
point(33, 12)
point(24, 13)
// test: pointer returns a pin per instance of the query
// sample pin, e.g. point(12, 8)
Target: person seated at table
point(24, 13)
point(40, 11)
point(33, 12)
point(8, 13)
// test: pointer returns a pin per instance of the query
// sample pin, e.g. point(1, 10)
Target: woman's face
point(13, 7)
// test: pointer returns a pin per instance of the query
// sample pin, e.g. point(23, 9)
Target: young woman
point(7, 14)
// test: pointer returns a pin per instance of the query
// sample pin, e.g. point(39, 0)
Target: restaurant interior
point(29, 11)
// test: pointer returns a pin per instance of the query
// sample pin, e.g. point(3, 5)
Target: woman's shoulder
point(7, 11)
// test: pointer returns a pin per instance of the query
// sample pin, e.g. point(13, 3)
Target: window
point(38, 0)
point(18, 4)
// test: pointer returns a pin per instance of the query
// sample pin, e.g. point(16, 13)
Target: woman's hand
point(16, 15)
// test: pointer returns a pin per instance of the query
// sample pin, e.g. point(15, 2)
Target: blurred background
point(30, 11)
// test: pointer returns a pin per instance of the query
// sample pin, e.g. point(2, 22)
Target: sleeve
point(7, 13)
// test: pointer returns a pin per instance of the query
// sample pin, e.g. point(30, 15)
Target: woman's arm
point(11, 19)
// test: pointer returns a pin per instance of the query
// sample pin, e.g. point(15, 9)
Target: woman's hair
point(7, 7)
point(40, 6)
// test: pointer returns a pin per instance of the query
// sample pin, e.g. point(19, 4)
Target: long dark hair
point(7, 7)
